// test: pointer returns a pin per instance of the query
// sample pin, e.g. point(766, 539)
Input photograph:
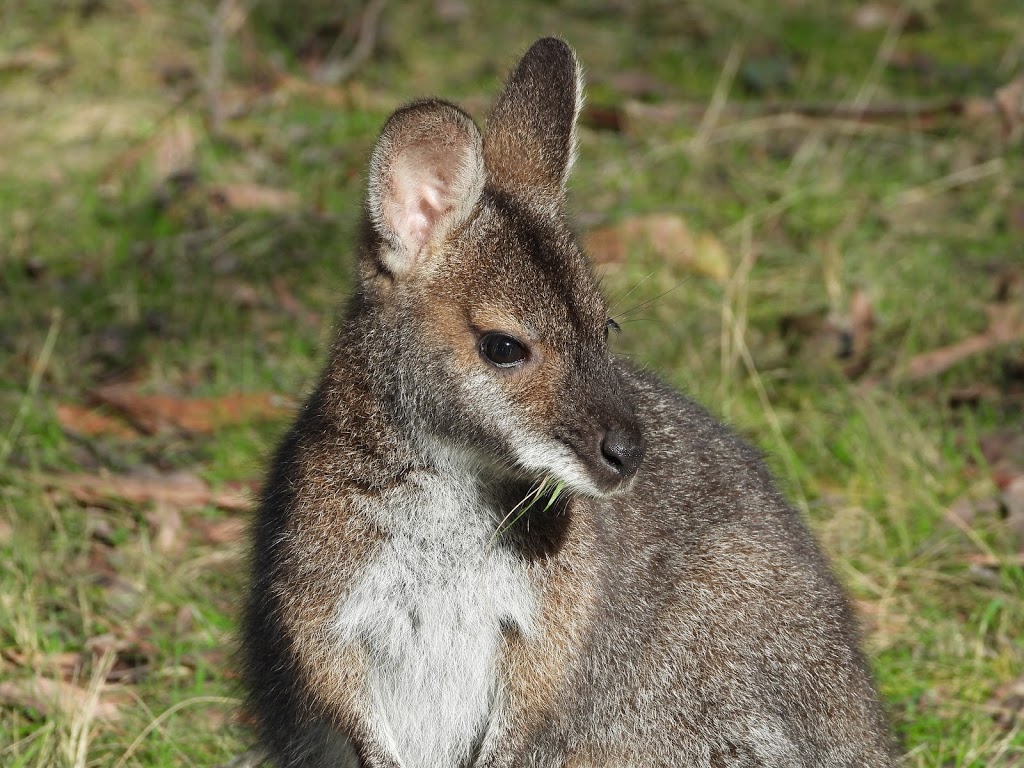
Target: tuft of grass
point(547, 488)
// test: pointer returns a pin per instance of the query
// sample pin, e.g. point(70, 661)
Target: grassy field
point(811, 215)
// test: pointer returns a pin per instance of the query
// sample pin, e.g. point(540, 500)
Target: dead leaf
point(872, 16)
point(132, 654)
point(667, 236)
point(254, 197)
point(153, 413)
point(638, 84)
point(1009, 702)
point(984, 560)
point(711, 258)
point(54, 697)
point(861, 324)
point(605, 246)
point(1010, 101)
point(184, 620)
point(219, 532)
point(821, 336)
point(966, 510)
point(601, 117)
point(6, 531)
point(88, 422)
point(180, 490)
point(168, 528)
point(973, 395)
point(42, 59)
point(1012, 498)
point(175, 152)
point(1003, 447)
point(1005, 326)
point(65, 664)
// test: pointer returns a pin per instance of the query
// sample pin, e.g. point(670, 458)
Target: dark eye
point(501, 350)
point(611, 325)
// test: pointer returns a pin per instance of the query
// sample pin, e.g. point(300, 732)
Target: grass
point(111, 271)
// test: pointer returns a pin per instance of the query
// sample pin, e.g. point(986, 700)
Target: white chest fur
point(428, 610)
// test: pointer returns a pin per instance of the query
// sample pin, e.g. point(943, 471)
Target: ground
point(808, 215)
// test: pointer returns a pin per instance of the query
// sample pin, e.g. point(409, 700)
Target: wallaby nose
point(622, 449)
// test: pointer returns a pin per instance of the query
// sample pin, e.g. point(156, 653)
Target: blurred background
point(808, 215)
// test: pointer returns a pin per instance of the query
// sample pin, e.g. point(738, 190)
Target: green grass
point(108, 273)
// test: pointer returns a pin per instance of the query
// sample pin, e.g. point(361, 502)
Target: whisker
point(651, 301)
point(630, 291)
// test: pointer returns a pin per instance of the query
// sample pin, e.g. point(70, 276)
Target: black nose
point(622, 449)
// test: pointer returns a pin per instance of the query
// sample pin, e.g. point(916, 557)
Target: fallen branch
point(335, 72)
point(177, 490)
point(1005, 326)
point(1006, 104)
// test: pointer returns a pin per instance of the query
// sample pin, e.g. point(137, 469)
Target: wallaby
point(487, 541)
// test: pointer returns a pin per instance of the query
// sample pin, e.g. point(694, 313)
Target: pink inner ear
point(420, 198)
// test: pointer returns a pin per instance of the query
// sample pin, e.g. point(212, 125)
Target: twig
point(220, 31)
point(961, 178)
point(720, 97)
point(335, 72)
point(1005, 327)
point(879, 112)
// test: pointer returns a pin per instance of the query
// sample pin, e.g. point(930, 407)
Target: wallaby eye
point(502, 351)
point(611, 325)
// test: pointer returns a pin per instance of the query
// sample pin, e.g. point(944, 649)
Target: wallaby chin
point(487, 542)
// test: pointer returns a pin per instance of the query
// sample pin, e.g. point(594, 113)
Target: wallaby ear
point(530, 142)
point(426, 174)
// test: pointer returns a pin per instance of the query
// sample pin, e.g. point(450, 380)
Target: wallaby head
point(489, 333)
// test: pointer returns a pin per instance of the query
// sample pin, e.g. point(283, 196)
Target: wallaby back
point(486, 541)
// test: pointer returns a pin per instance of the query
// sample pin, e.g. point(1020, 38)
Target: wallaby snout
point(622, 449)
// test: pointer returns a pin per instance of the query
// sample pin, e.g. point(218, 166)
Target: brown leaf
point(179, 490)
point(66, 664)
point(600, 117)
point(872, 16)
point(861, 328)
point(638, 83)
point(605, 246)
point(254, 197)
point(175, 152)
point(1010, 101)
point(667, 236)
point(1003, 447)
point(168, 529)
point(132, 653)
point(1012, 499)
point(1009, 701)
point(53, 697)
point(228, 531)
point(42, 59)
point(88, 422)
point(984, 560)
point(711, 258)
point(1015, 218)
point(152, 413)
